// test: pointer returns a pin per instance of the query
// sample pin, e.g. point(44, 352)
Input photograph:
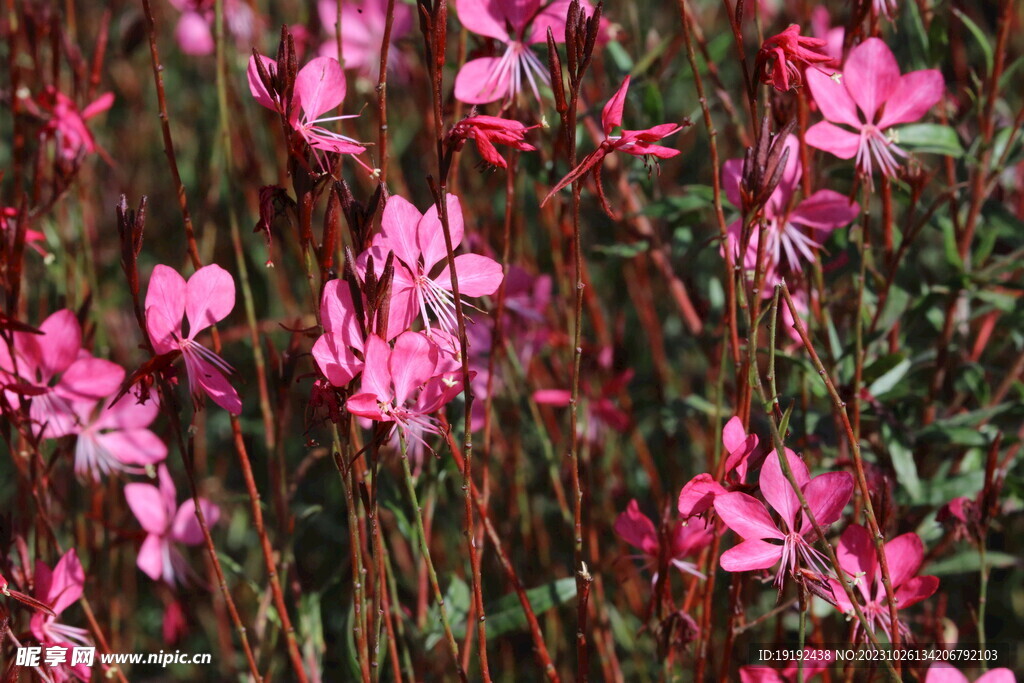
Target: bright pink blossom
point(362, 32)
point(870, 97)
point(637, 529)
point(783, 57)
point(765, 542)
point(194, 31)
point(115, 437)
point(60, 588)
point(53, 370)
point(338, 352)
point(793, 229)
point(418, 243)
point(941, 672)
point(319, 88)
point(635, 142)
point(488, 131)
point(600, 405)
point(904, 555)
point(766, 674)
point(206, 299)
point(699, 493)
point(166, 525)
point(405, 385)
point(65, 123)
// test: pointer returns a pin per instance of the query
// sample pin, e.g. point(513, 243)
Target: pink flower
point(166, 524)
point(870, 96)
point(518, 24)
point(636, 529)
point(60, 588)
point(941, 672)
point(821, 24)
point(488, 131)
point(418, 243)
point(766, 674)
point(362, 32)
point(599, 404)
point(904, 555)
point(404, 385)
point(207, 298)
point(635, 142)
point(783, 57)
point(115, 438)
point(698, 495)
point(194, 30)
point(765, 543)
point(53, 371)
point(338, 352)
point(319, 88)
point(65, 123)
point(821, 213)
point(8, 222)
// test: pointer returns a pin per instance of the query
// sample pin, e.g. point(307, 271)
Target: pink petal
point(856, 554)
point(916, 93)
point(698, 494)
point(148, 506)
point(750, 555)
point(430, 234)
point(553, 397)
point(256, 86)
point(186, 529)
point(193, 35)
point(790, 176)
point(636, 529)
point(66, 582)
point(217, 386)
point(553, 16)
point(827, 495)
point(690, 538)
point(843, 603)
point(999, 675)
point(833, 139)
point(746, 516)
point(90, 378)
point(732, 170)
point(915, 590)
point(734, 437)
point(825, 210)
point(336, 359)
point(871, 74)
point(128, 414)
point(833, 98)
point(760, 674)
point(134, 446)
point(399, 229)
point(99, 105)
point(478, 275)
point(474, 84)
point(941, 672)
point(319, 87)
point(611, 115)
point(904, 555)
point(366, 405)
point(165, 307)
point(483, 17)
point(209, 298)
point(53, 351)
point(412, 363)
point(151, 556)
point(376, 371)
point(777, 490)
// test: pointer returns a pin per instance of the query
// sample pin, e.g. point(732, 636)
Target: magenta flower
point(488, 131)
point(404, 385)
point(517, 25)
point(599, 404)
point(206, 299)
point(636, 529)
point(783, 57)
point(635, 142)
point(319, 88)
point(941, 672)
point(166, 525)
point(904, 555)
point(115, 438)
point(8, 222)
point(766, 674)
point(362, 32)
point(819, 214)
point(765, 542)
point(338, 352)
point(60, 588)
point(698, 494)
point(870, 96)
point(65, 123)
point(194, 31)
point(53, 370)
point(418, 243)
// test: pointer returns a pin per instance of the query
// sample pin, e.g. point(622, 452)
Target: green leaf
point(903, 463)
point(979, 36)
point(507, 615)
point(456, 603)
point(968, 562)
point(930, 138)
point(624, 250)
point(885, 373)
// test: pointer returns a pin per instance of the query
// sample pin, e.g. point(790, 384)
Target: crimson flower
point(488, 131)
point(637, 529)
point(870, 96)
point(783, 57)
point(904, 555)
point(206, 299)
point(635, 142)
point(699, 493)
point(765, 543)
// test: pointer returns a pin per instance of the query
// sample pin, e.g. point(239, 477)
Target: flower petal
point(336, 359)
point(165, 307)
point(698, 494)
point(827, 495)
point(833, 99)
point(412, 363)
point(376, 371)
point(399, 228)
point(186, 529)
point(477, 82)
point(871, 74)
point(746, 516)
point(151, 556)
point(833, 139)
point(825, 210)
point(194, 36)
point(611, 115)
point(777, 490)
point(916, 93)
point(147, 504)
point(856, 555)
point(134, 446)
point(750, 555)
point(209, 298)
point(256, 87)
point(430, 233)
point(483, 17)
point(319, 87)
point(66, 582)
point(904, 555)
point(217, 386)
point(637, 529)
point(478, 275)
point(915, 590)
point(90, 378)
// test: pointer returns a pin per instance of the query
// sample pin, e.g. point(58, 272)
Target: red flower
point(783, 57)
point(491, 130)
